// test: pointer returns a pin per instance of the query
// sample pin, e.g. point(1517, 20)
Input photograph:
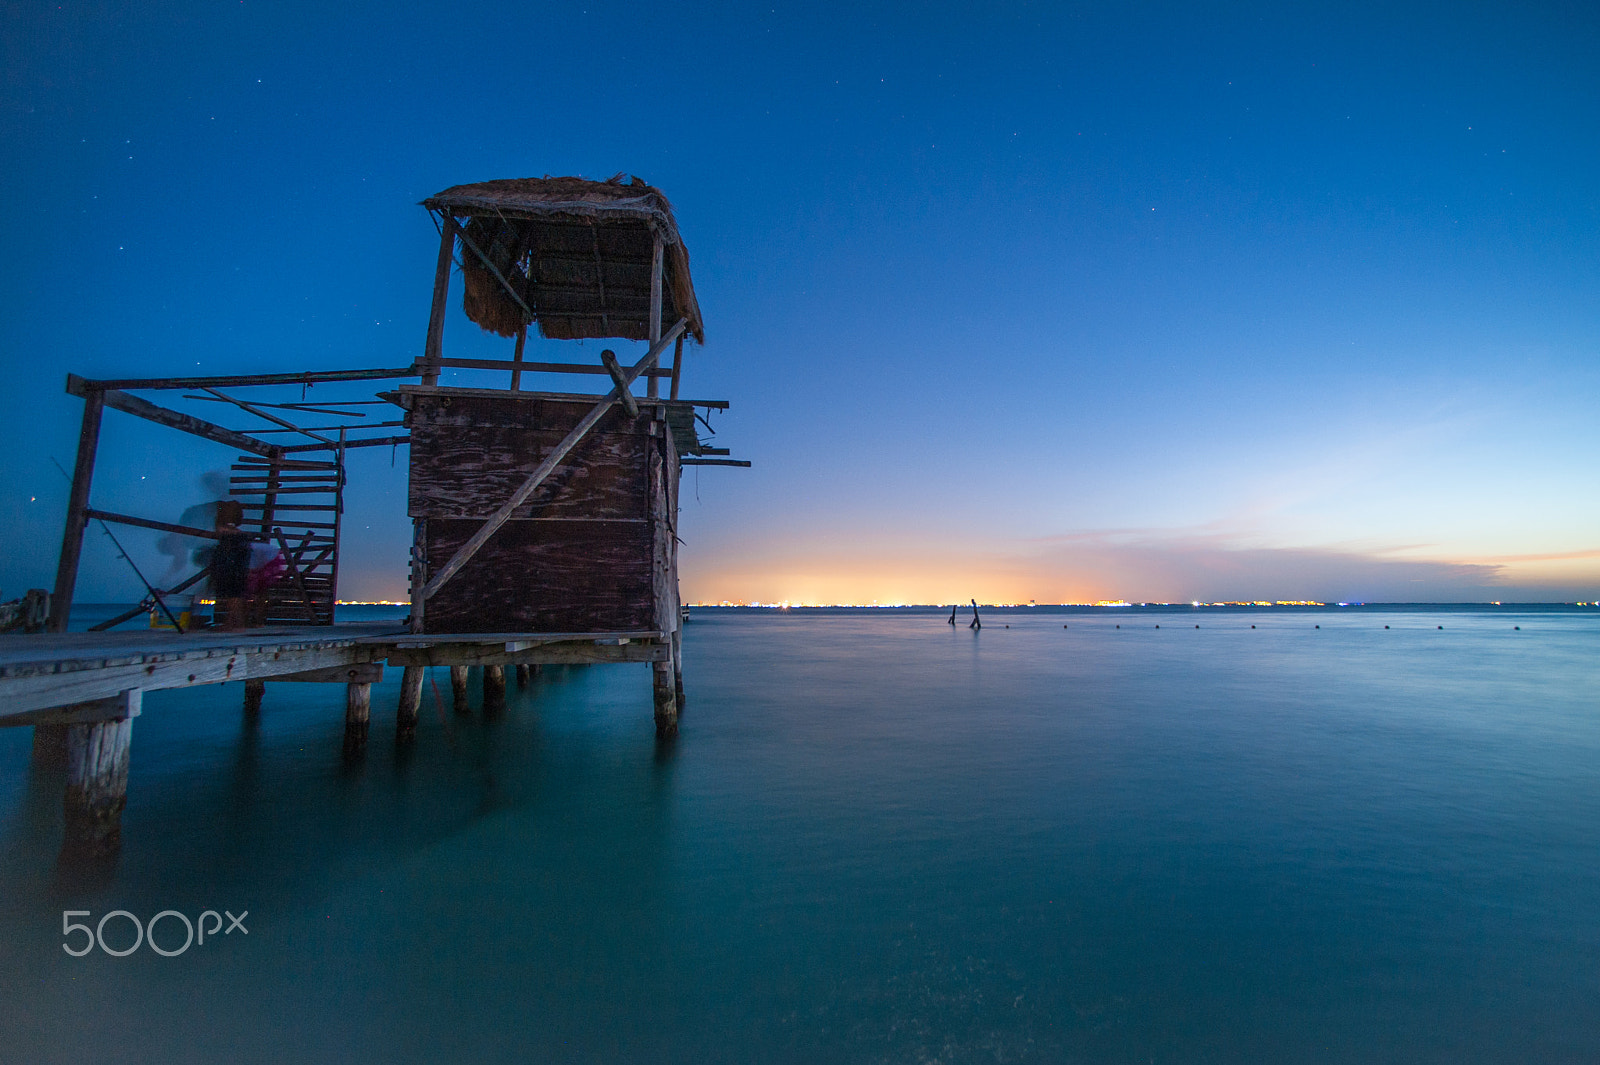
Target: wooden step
point(284, 490)
point(257, 462)
point(291, 506)
point(317, 478)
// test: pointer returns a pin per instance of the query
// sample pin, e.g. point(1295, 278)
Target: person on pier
point(230, 566)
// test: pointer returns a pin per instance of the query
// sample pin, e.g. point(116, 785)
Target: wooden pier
point(544, 523)
point(81, 691)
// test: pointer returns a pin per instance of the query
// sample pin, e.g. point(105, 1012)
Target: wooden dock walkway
point(81, 691)
point(41, 673)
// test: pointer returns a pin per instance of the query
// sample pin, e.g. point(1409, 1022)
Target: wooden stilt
point(494, 689)
point(253, 692)
point(50, 746)
point(677, 366)
point(523, 675)
point(433, 349)
point(677, 668)
point(77, 511)
point(357, 717)
point(653, 383)
point(666, 700)
point(419, 573)
point(458, 689)
point(516, 358)
point(97, 781)
point(405, 721)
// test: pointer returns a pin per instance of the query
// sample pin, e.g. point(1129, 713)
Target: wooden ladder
point(295, 504)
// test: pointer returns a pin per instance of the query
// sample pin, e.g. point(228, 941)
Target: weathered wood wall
point(592, 550)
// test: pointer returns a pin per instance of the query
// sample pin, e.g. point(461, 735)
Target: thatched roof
point(577, 252)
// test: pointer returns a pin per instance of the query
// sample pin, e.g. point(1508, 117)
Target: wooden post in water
point(494, 689)
point(97, 778)
point(677, 667)
point(458, 689)
point(77, 511)
point(405, 720)
point(253, 692)
point(666, 700)
point(523, 675)
point(357, 717)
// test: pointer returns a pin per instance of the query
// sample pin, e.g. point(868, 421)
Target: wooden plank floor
point(64, 652)
point(58, 669)
point(49, 670)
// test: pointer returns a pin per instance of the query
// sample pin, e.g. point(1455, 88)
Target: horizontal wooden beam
point(320, 477)
point(538, 367)
point(296, 523)
point(325, 428)
point(560, 397)
point(117, 707)
point(296, 507)
point(358, 673)
point(36, 691)
point(382, 441)
point(185, 423)
point(310, 377)
point(714, 462)
point(284, 489)
point(548, 654)
point(522, 639)
point(253, 463)
point(160, 526)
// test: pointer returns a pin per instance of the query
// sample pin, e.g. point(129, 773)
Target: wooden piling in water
point(458, 689)
point(666, 700)
point(524, 674)
point(357, 717)
point(254, 690)
point(494, 689)
point(405, 719)
point(97, 778)
point(677, 668)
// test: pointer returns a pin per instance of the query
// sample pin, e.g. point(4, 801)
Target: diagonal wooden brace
point(465, 552)
point(608, 359)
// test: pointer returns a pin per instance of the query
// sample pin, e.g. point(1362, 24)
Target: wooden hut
point(539, 513)
point(545, 522)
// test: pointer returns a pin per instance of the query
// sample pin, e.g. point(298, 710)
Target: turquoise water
point(877, 839)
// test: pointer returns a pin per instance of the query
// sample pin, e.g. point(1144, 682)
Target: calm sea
point(877, 839)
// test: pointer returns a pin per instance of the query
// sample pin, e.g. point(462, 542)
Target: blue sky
point(1012, 301)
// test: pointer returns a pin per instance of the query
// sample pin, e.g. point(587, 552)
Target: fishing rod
point(150, 590)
